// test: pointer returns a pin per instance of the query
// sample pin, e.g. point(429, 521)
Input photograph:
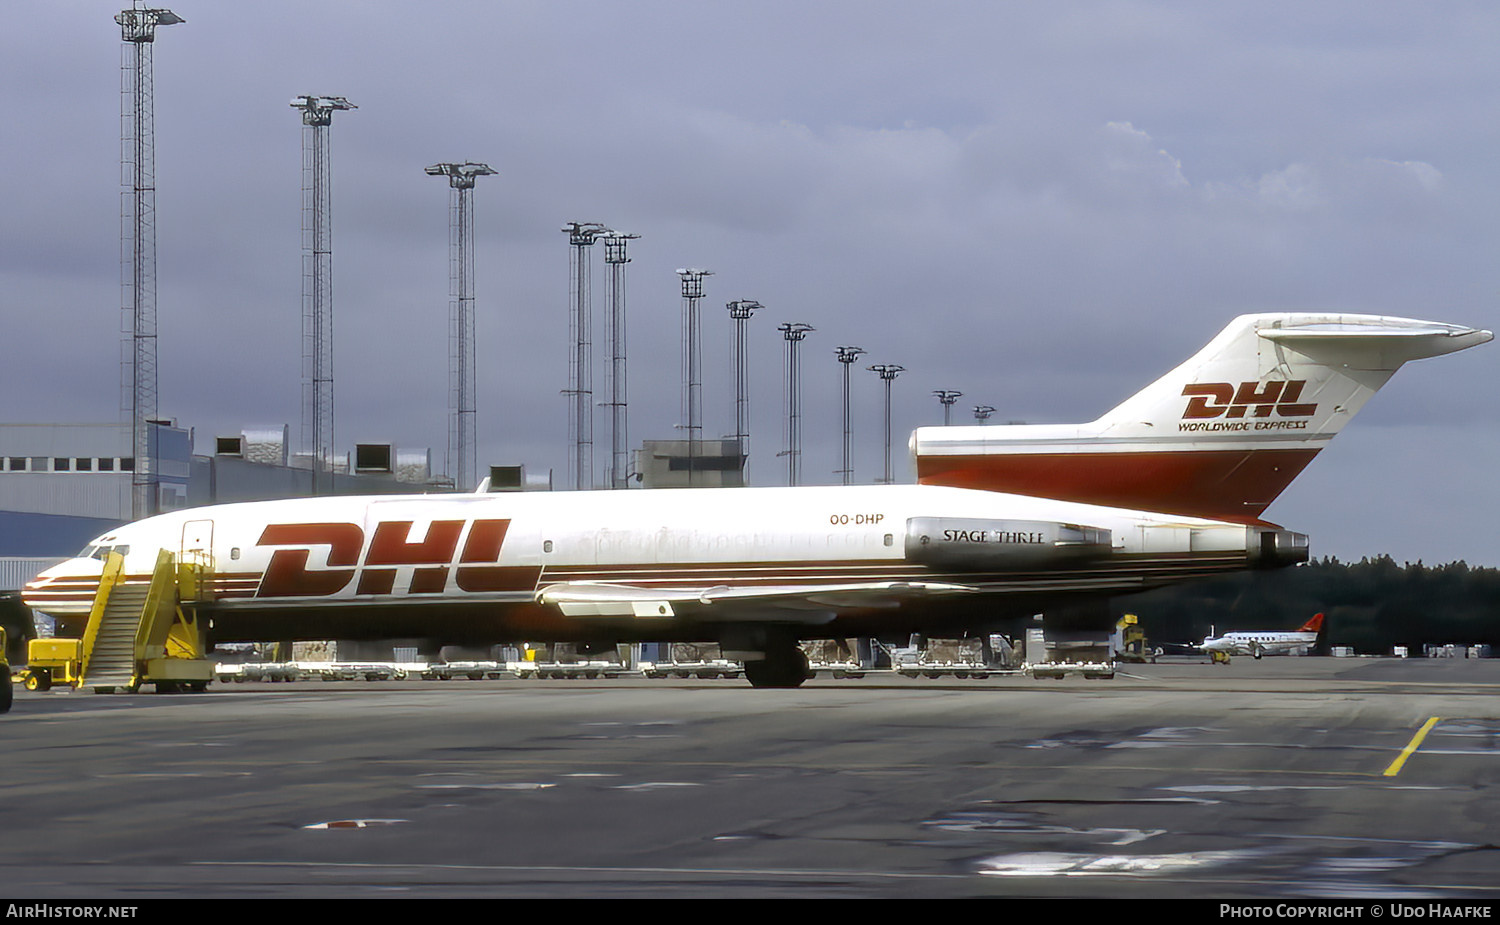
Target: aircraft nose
point(67, 585)
point(68, 568)
point(43, 578)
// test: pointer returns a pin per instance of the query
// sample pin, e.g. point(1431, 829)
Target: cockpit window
point(101, 551)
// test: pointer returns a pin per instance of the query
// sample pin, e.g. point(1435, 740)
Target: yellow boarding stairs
point(138, 633)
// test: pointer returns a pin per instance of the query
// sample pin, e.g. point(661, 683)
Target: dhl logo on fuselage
point(1260, 400)
point(430, 558)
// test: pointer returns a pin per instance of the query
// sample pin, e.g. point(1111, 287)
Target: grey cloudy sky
point(1044, 206)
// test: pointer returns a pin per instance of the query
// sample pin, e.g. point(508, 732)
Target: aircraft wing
point(817, 603)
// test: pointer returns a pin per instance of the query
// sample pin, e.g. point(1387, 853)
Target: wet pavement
point(1282, 778)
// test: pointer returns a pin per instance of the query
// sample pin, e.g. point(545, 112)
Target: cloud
point(1042, 208)
point(1130, 158)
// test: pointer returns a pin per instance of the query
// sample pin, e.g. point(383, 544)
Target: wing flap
point(577, 598)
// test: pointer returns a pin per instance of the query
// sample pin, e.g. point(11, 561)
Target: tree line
point(1372, 605)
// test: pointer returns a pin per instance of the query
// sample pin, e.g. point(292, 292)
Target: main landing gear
point(784, 666)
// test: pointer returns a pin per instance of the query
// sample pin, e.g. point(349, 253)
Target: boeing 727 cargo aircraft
point(1007, 521)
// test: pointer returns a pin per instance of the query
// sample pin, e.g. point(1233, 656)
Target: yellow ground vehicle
point(51, 659)
point(1130, 641)
point(6, 691)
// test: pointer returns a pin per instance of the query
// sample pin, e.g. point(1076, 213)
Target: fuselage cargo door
point(195, 560)
point(197, 544)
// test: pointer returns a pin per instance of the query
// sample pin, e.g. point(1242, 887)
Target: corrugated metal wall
point(105, 495)
point(15, 572)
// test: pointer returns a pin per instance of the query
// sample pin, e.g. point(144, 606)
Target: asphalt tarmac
point(1286, 778)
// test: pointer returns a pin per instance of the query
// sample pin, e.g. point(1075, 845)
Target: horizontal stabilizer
point(1375, 346)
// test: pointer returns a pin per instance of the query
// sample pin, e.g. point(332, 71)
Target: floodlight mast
point(794, 332)
point(982, 413)
point(615, 244)
point(948, 398)
point(462, 415)
point(847, 356)
point(581, 236)
point(138, 378)
point(692, 364)
point(741, 310)
point(887, 372)
point(317, 284)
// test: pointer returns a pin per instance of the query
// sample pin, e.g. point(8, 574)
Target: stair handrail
point(114, 566)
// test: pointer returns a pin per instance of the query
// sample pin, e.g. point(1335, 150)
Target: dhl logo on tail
point(1258, 399)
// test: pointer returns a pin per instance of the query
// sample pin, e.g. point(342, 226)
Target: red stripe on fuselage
point(1220, 484)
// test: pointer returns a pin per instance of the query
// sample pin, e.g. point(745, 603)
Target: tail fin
point(1313, 625)
point(1219, 436)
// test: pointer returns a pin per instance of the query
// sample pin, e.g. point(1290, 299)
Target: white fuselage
point(802, 555)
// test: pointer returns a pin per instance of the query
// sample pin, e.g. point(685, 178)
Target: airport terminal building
point(61, 485)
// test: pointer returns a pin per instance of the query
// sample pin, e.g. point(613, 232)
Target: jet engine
point(1270, 547)
point(968, 544)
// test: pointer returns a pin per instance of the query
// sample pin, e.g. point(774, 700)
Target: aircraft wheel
point(781, 668)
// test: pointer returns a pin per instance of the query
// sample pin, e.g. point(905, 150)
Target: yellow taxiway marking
point(1412, 746)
